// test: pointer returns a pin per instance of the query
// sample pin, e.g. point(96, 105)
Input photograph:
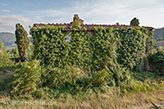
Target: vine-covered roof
point(89, 27)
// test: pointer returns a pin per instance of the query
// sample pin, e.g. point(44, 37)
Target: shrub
point(156, 61)
point(5, 61)
point(27, 79)
point(6, 83)
point(58, 77)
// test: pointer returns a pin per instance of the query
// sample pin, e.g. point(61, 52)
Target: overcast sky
point(28, 12)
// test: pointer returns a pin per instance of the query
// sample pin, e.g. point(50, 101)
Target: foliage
point(59, 78)
point(88, 64)
point(5, 61)
point(156, 61)
point(91, 50)
point(136, 91)
point(80, 52)
point(27, 79)
point(134, 22)
point(88, 51)
point(50, 46)
point(144, 63)
point(6, 80)
point(29, 53)
point(150, 42)
point(132, 46)
point(22, 40)
point(58, 81)
point(76, 23)
point(103, 45)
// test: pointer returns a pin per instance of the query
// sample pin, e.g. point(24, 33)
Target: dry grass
point(110, 100)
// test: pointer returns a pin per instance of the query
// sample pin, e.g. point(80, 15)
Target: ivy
point(91, 50)
point(132, 46)
point(50, 45)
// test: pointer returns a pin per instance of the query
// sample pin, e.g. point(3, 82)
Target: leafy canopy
point(134, 22)
point(22, 40)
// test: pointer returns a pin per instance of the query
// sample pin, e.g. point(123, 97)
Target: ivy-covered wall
point(91, 50)
point(133, 44)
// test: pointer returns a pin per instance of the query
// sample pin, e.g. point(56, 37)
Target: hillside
point(8, 39)
point(159, 33)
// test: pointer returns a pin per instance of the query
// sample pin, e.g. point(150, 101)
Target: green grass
point(143, 89)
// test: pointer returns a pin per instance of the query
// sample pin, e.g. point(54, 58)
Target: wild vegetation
point(134, 22)
point(99, 69)
point(22, 41)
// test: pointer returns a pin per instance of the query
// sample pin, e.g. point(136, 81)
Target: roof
point(89, 27)
point(68, 27)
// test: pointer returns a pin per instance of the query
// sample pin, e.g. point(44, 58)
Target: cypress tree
point(22, 40)
point(134, 22)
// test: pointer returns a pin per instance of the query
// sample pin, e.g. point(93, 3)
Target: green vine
point(91, 50)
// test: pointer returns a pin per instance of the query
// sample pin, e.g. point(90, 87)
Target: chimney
point(76, 18)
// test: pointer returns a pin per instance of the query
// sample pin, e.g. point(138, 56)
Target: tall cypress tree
point(22, 40)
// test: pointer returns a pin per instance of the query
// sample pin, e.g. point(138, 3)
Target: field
point(114, 98)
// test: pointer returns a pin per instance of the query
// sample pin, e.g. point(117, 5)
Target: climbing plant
point(91, 50)
point(50, 46)
point(132, 46)
point(76, 24)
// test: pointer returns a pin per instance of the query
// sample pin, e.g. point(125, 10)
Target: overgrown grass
point(143, 88)
point(108, 100)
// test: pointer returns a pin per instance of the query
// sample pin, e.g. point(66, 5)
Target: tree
point(22, 40)
point(134, 22)
point(5, 61)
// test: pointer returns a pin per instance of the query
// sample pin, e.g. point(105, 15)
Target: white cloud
point(97, 11)
point(7, 23)
point(104, 12)
point(5, 10)
point(52, 15)
point(3, 4)
point(122, 11)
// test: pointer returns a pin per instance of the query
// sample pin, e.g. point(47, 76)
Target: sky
point(29, 12)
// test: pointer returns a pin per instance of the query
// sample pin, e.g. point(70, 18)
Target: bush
point(58, 77)
point(5, 61)
point(27, 79)
point(156, 61)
